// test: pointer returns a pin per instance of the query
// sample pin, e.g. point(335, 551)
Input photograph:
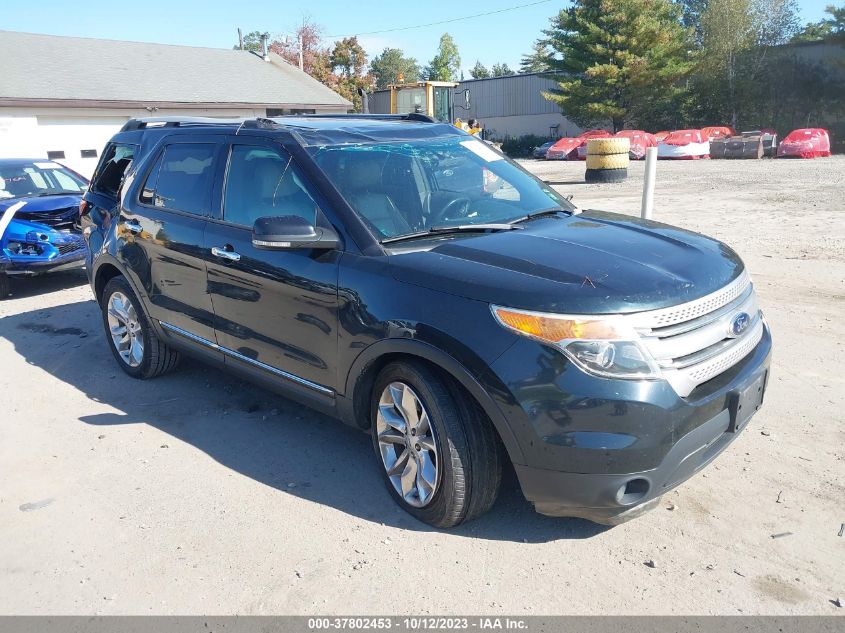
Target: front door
point(274, 309)
point(163, 223)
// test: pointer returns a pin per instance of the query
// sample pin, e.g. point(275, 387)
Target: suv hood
point(594, 263)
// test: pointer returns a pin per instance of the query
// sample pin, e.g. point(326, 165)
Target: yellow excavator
point(432, 98)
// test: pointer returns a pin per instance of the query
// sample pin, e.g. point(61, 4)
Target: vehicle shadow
point(250, 430)
point(23, 287)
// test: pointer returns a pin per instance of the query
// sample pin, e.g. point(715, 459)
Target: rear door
point(161, 226)
point(275, 310)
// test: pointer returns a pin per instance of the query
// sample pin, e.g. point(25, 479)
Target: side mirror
point(290, 232)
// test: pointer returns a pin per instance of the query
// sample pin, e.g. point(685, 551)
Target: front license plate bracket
point(745, 403)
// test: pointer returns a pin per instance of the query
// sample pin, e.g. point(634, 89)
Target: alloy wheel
point(125, 329)
point(407, 445)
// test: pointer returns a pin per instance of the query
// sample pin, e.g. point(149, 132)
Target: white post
point(648, 183)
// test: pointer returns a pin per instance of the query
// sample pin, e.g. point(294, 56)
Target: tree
point(537, 61)
point(392, 67)
point(775, 22)
point(315, 55)
point(501, 70)
point(348, 62)
point(836, 19)
point(832, 26)
point(691, 12)
point(813, 32)
point(252, 41)
point(622, 61)
point(479, 71)
point(349, 58)
point(446, 64)
point(738, 40)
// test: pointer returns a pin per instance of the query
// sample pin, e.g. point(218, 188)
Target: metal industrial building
point(510, 106)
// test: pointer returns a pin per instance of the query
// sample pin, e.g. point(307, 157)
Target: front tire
point(5, 290)
point(133, 342)
point(439, 455)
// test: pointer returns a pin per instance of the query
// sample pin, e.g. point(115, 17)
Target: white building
point(63, 97)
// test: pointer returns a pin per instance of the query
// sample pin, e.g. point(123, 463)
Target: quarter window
point(113, 167)
point(262, 182)
point(181, 179)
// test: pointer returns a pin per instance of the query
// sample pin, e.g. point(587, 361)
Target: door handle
point(133, 227)
point(224, 253)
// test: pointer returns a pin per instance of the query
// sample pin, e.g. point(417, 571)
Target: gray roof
point(54, 68)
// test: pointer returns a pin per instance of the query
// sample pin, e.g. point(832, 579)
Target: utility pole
point(301, 64)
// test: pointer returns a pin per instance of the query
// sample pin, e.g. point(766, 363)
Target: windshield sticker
point(47, 165)
point(480, 149)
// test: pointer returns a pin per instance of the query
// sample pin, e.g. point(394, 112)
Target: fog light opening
point(633, 491)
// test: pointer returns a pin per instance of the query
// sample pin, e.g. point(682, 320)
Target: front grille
point(59, 219)
point(693, 343)
point(74, 243)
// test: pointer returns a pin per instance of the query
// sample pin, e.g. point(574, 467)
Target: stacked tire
point(607, 159)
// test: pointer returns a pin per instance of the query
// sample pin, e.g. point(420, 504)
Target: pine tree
point(537, 61)
point(501, 70)
point(479, 71)
point(622, 60)
point(392, 67)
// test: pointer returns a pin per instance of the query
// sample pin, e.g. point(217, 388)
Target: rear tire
point(133, 342)
point(5, 290)
point(454, 460)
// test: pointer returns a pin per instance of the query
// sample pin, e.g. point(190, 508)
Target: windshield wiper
point(540, 214)
point(445, 229)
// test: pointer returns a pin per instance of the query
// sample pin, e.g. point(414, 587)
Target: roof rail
point(260, 122)
point(175, 121)
point(412, 116)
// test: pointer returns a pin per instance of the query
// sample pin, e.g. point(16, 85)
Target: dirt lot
point(198, 493)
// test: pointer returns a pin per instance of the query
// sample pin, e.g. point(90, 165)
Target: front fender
point(479, 387)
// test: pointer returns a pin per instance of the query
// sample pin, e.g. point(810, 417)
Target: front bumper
point(31, 266)
point(609, 452)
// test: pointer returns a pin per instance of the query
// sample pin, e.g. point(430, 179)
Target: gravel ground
point(197, 493)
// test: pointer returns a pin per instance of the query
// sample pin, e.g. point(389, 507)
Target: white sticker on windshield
point(47, 165)
point(479, 148)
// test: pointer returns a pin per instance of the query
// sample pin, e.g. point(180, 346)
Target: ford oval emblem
point(740, 323)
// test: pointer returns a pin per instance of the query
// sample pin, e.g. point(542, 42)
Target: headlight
point(604, 346)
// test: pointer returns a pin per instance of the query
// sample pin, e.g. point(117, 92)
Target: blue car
point(39, 207)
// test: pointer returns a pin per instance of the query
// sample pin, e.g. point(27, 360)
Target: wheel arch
point(104, 273)
point(370, 362)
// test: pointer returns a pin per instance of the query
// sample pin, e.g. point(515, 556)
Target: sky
point(500, 37)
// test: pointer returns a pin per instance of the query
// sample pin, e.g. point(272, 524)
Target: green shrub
point(522, 146)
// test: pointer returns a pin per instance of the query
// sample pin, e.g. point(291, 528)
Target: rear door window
point(182, 178)
point(112, 169)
